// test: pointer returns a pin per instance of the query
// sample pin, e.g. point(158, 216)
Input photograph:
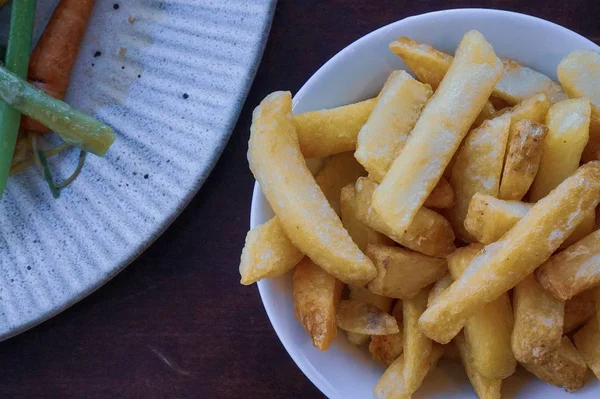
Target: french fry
point(429, 233)
point(361, 234)
point(573, 270)
point(501, 265)
point(443, 124)
point(362, 294)
point(331, 131)
point(484, 387)
point(591, 151)
point(393, 385)
point(489, 218)
point(538, 322)
point(387, 348)
point(402, 273)
point(417, 347)
point(363, 318)
point(477, 169)
point(534, 109)
point(339, 171)
point(438, 287)
point(579, 73)
point(518, 83)
point(568, 124)
point(441, 197)
point(488, 331)
point(486, 113)
point(383, 136)
point(523, 156)
point(303, 211)
point(268, 252)
point(564, 368)
point(579, 309)
point(316, 296)
point(587, 340)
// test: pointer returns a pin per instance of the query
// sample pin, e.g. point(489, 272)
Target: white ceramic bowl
point(357, 73)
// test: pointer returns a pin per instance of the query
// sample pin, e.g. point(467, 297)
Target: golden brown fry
point(578, 310)
point(486, 113)
point(439, 287)
point(501, 265)
point(402, 273)
point(573, 270)
point(568, 131)
point(361, 234)
point(518, 83)
point(579, 73)
point(398, 107)
point(587, 340)
point(443, 124)
point(488, 331)
point(523, 156)
point(359, 317)
point(339, 171)
point(441, 197)
point(268, 252)
point(331, 131)
point(387, 348)
point(417, 347)
point(477, 169)
point(429, 233)
point(392, 384)
point(303, 211)
point(538, 322)
point(484, 387)
point(563, 368)
point(364, 295)
point(489, 218)
point(534, 109)
point(316, 296)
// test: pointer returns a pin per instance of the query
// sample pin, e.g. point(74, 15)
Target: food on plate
point(383, 136)
point(363, 318)
point(477, 169)
point(523, 156)
point(304, 212)
point(48, 69)
point(402, 273)
point(484, 387)
point(503, 264)
point(579, 73)
point(437, 134)
point(573, 270)
point(501, 152)
point(488, 218)
point(429, 233)
point(539, 321)
point(564, 368)
point(316, 297)
point(587, 340)
point(488, 332)
point(331, 131)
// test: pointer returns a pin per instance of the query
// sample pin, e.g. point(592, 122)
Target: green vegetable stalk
point(17, 61)
point(71, 125)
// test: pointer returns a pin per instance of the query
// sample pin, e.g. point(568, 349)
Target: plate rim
point(306, 367)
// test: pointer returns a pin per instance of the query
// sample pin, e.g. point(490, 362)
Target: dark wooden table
point(176, 323)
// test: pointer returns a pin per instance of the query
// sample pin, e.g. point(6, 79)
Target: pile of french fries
point(456, 214)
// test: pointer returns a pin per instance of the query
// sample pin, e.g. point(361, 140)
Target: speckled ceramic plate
point(136, 64)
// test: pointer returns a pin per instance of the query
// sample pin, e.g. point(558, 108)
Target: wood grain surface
point(176, 323)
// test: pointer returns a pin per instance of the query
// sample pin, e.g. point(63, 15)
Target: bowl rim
point(305, 366)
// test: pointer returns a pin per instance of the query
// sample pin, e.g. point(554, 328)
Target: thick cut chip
point(579, 73)
point(501, 265)
point(587, 340)
point(362, 294)
point(579, 309)
point(441, 197)
point(339, 171)
point(381, 139)
point(443, 124)
point(484, 387)
point(387, 348)
point(439, 287)
point(534, 109)
point(316, 296)
point(359, 317)
point(303, 211)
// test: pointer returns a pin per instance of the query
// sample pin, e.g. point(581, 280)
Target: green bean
point(17, 61)
point(71, 125)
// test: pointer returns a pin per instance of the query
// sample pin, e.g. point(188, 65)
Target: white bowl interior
point(357, 73)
